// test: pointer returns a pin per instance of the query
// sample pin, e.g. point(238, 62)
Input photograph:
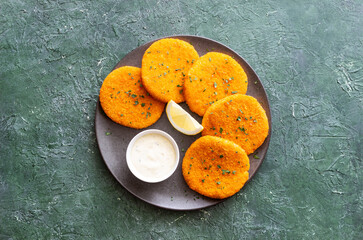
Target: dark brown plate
point(172, 193)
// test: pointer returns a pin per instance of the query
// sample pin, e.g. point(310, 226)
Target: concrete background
point(54, 56)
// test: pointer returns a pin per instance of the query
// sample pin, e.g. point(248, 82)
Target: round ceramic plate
point(172, 193)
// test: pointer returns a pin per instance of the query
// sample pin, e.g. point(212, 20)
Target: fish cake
point(165, 66)
point(211, 78)
point(215, 167)
point(239, 118)
point(125, 101)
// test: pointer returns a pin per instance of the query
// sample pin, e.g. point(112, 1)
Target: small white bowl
point(132, 167)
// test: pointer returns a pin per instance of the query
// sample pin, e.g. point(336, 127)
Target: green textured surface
point(54, 56)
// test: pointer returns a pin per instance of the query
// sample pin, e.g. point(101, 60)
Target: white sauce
point(153, 156)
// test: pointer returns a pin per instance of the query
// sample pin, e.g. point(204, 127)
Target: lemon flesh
point(181, 120)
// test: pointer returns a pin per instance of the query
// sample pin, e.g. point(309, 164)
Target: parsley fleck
point(256, 157)
point(242, 129)
point(221, 130)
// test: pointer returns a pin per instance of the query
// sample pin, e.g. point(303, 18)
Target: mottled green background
point(54, 56)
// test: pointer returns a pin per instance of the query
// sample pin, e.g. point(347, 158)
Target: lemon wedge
point(181, 120)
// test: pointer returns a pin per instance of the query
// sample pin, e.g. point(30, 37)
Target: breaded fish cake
point(125, 100)
point(165, 65)
point(239, 118)
point(213, 77)
point(215, 167)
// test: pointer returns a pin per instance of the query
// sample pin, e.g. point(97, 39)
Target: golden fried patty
point(125, 100)
point(165, 65)
point(239, 118)
point(213, 77)
point(215, 167)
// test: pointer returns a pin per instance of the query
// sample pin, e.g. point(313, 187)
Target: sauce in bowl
point(152, 156)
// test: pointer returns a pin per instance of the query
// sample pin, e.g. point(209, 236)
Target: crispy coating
point(213, 77)
point(165, 65)
point(125, 100)
point(239, 118)
point(215, 167)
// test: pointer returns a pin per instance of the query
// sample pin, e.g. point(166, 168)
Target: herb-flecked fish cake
point(125, 101)
point(165, 66)
point(213, 77)
point(215, 167)
point(239, 118)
